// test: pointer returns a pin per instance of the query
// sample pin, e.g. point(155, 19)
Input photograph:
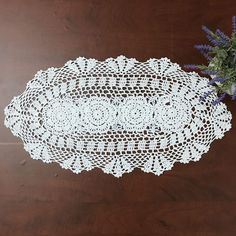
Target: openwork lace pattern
point(117, 115)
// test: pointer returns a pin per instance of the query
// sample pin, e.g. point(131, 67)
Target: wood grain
point(198, 199)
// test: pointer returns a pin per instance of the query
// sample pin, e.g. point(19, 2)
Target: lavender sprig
point(216, 42)
point(211, 36)
point(221, 56)
point(209, 72)
point(191, 66)
point(224, 39)
point(209, 58)
point(222, 34)
point(207, 30)
point(203, 48)
point(216, 79)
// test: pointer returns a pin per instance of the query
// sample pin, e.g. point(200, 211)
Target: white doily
point(118, 114)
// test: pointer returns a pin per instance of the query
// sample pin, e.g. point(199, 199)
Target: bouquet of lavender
point(221, 56)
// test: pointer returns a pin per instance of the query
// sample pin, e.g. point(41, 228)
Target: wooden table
point(43, 199)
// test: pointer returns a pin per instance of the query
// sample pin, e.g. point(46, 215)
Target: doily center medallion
point(60, 116)
point(117, 115)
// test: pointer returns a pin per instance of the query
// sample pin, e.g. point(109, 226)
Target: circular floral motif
point(98, 114)
point(135, 113)
point(60, 116)
point(171, 113)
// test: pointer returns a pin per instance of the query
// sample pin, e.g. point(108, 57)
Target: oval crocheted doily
point(118, 114)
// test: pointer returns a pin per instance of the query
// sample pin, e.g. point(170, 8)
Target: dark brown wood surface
point(43, 199)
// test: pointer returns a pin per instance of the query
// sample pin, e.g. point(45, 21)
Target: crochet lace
point(117, 115)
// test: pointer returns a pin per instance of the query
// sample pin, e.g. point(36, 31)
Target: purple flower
point(224, 39)
point(216, 79)
point(219, 99)
point(209, 58)
point(203, 47)
point(204, 50)
point(210, 36)
point(234, 24)
point(209, 72)
point(222, 35)
point(215, 41)
point(191, 66)
point(206, 30)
